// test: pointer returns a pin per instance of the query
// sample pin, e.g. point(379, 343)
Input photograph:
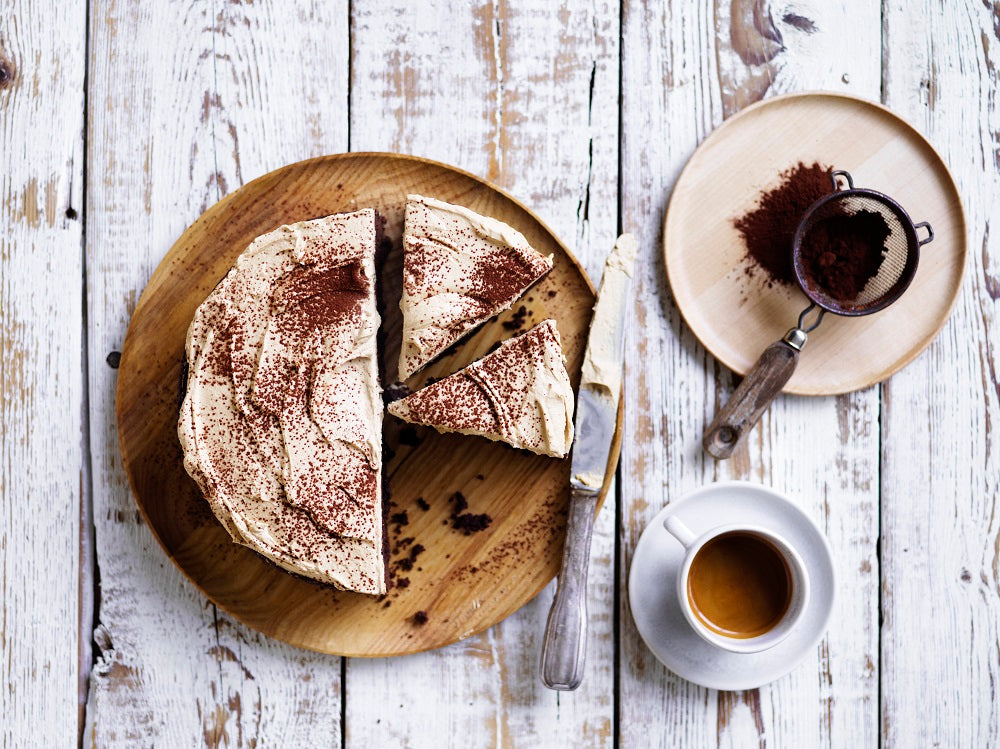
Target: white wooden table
point(120, 122)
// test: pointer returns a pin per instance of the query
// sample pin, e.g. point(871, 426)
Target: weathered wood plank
point(42, 447)
point(686, 67)
point(188, 101)
point(940, 463)
point(526, 96)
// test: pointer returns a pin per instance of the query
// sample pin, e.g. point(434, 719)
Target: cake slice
point(281, 423)
point(459, 270)
point(519, 394)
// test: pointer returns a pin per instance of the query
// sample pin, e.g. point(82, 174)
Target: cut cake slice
point(459, 270)
point(519, 394)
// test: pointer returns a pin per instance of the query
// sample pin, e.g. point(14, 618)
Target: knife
point(565, 641)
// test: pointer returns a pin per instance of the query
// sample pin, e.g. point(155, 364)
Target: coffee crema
point(739, 585)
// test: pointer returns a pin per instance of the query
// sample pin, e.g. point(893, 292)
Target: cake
point(281, 422)
point(519, 394)
point(459, 270)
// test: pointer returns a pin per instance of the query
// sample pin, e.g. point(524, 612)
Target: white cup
point(799, 586)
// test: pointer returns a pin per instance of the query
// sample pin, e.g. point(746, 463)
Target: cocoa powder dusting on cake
point(269, 338)
point(458, 400)
point(320, 295)
point(474, 398)
point(501, 276)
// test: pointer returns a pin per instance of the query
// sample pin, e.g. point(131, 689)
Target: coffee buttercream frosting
point(519, 394)
point(459, 270)
point(281, 423)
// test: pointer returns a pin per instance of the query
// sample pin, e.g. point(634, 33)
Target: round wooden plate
point(463, 583)
point(735, 315)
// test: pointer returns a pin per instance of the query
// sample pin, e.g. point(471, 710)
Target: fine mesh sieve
point(854, 253)
point(893, 262)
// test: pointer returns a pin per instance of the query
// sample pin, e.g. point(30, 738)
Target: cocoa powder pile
point(840, 253)
point(769, 229)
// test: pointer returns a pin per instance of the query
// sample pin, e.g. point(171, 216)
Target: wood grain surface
point(140, 116)
point(462, 583)
point(188, 101)
point(686, 66)
point(538, 118)
point(44, 472)
point(940, 478)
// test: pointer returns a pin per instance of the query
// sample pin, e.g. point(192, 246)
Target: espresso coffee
point(739, 585)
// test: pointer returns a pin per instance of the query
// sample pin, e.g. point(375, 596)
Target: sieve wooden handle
point(743, 410)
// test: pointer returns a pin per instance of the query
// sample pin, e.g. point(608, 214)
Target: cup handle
point(678, 530)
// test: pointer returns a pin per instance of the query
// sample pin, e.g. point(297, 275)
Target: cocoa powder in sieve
point(841, 252)
point(769, 229)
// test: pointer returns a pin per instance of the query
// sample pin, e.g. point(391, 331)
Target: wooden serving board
point(736, 315)
point(464, 583)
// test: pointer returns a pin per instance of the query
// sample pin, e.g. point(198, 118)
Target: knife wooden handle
point(564, 646)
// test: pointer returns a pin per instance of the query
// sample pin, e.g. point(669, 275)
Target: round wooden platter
point(736, 315)
point(464, 583)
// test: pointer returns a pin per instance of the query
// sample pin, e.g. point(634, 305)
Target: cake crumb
point(459, 501)
point(395, 392)
point(420, 618)
point(517, 320)
point(422, 504)
point(467, 522)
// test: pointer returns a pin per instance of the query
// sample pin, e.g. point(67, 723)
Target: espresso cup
point(741, 587)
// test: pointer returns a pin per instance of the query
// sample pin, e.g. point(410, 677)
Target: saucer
point(652, 586)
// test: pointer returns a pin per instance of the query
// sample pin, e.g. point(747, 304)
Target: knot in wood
point(6, 72)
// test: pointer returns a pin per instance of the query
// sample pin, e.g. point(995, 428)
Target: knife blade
point(564, 643)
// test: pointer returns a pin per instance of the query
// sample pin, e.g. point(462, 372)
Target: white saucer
point(652, 586)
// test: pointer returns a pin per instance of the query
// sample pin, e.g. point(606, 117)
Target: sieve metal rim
point(905, 278)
